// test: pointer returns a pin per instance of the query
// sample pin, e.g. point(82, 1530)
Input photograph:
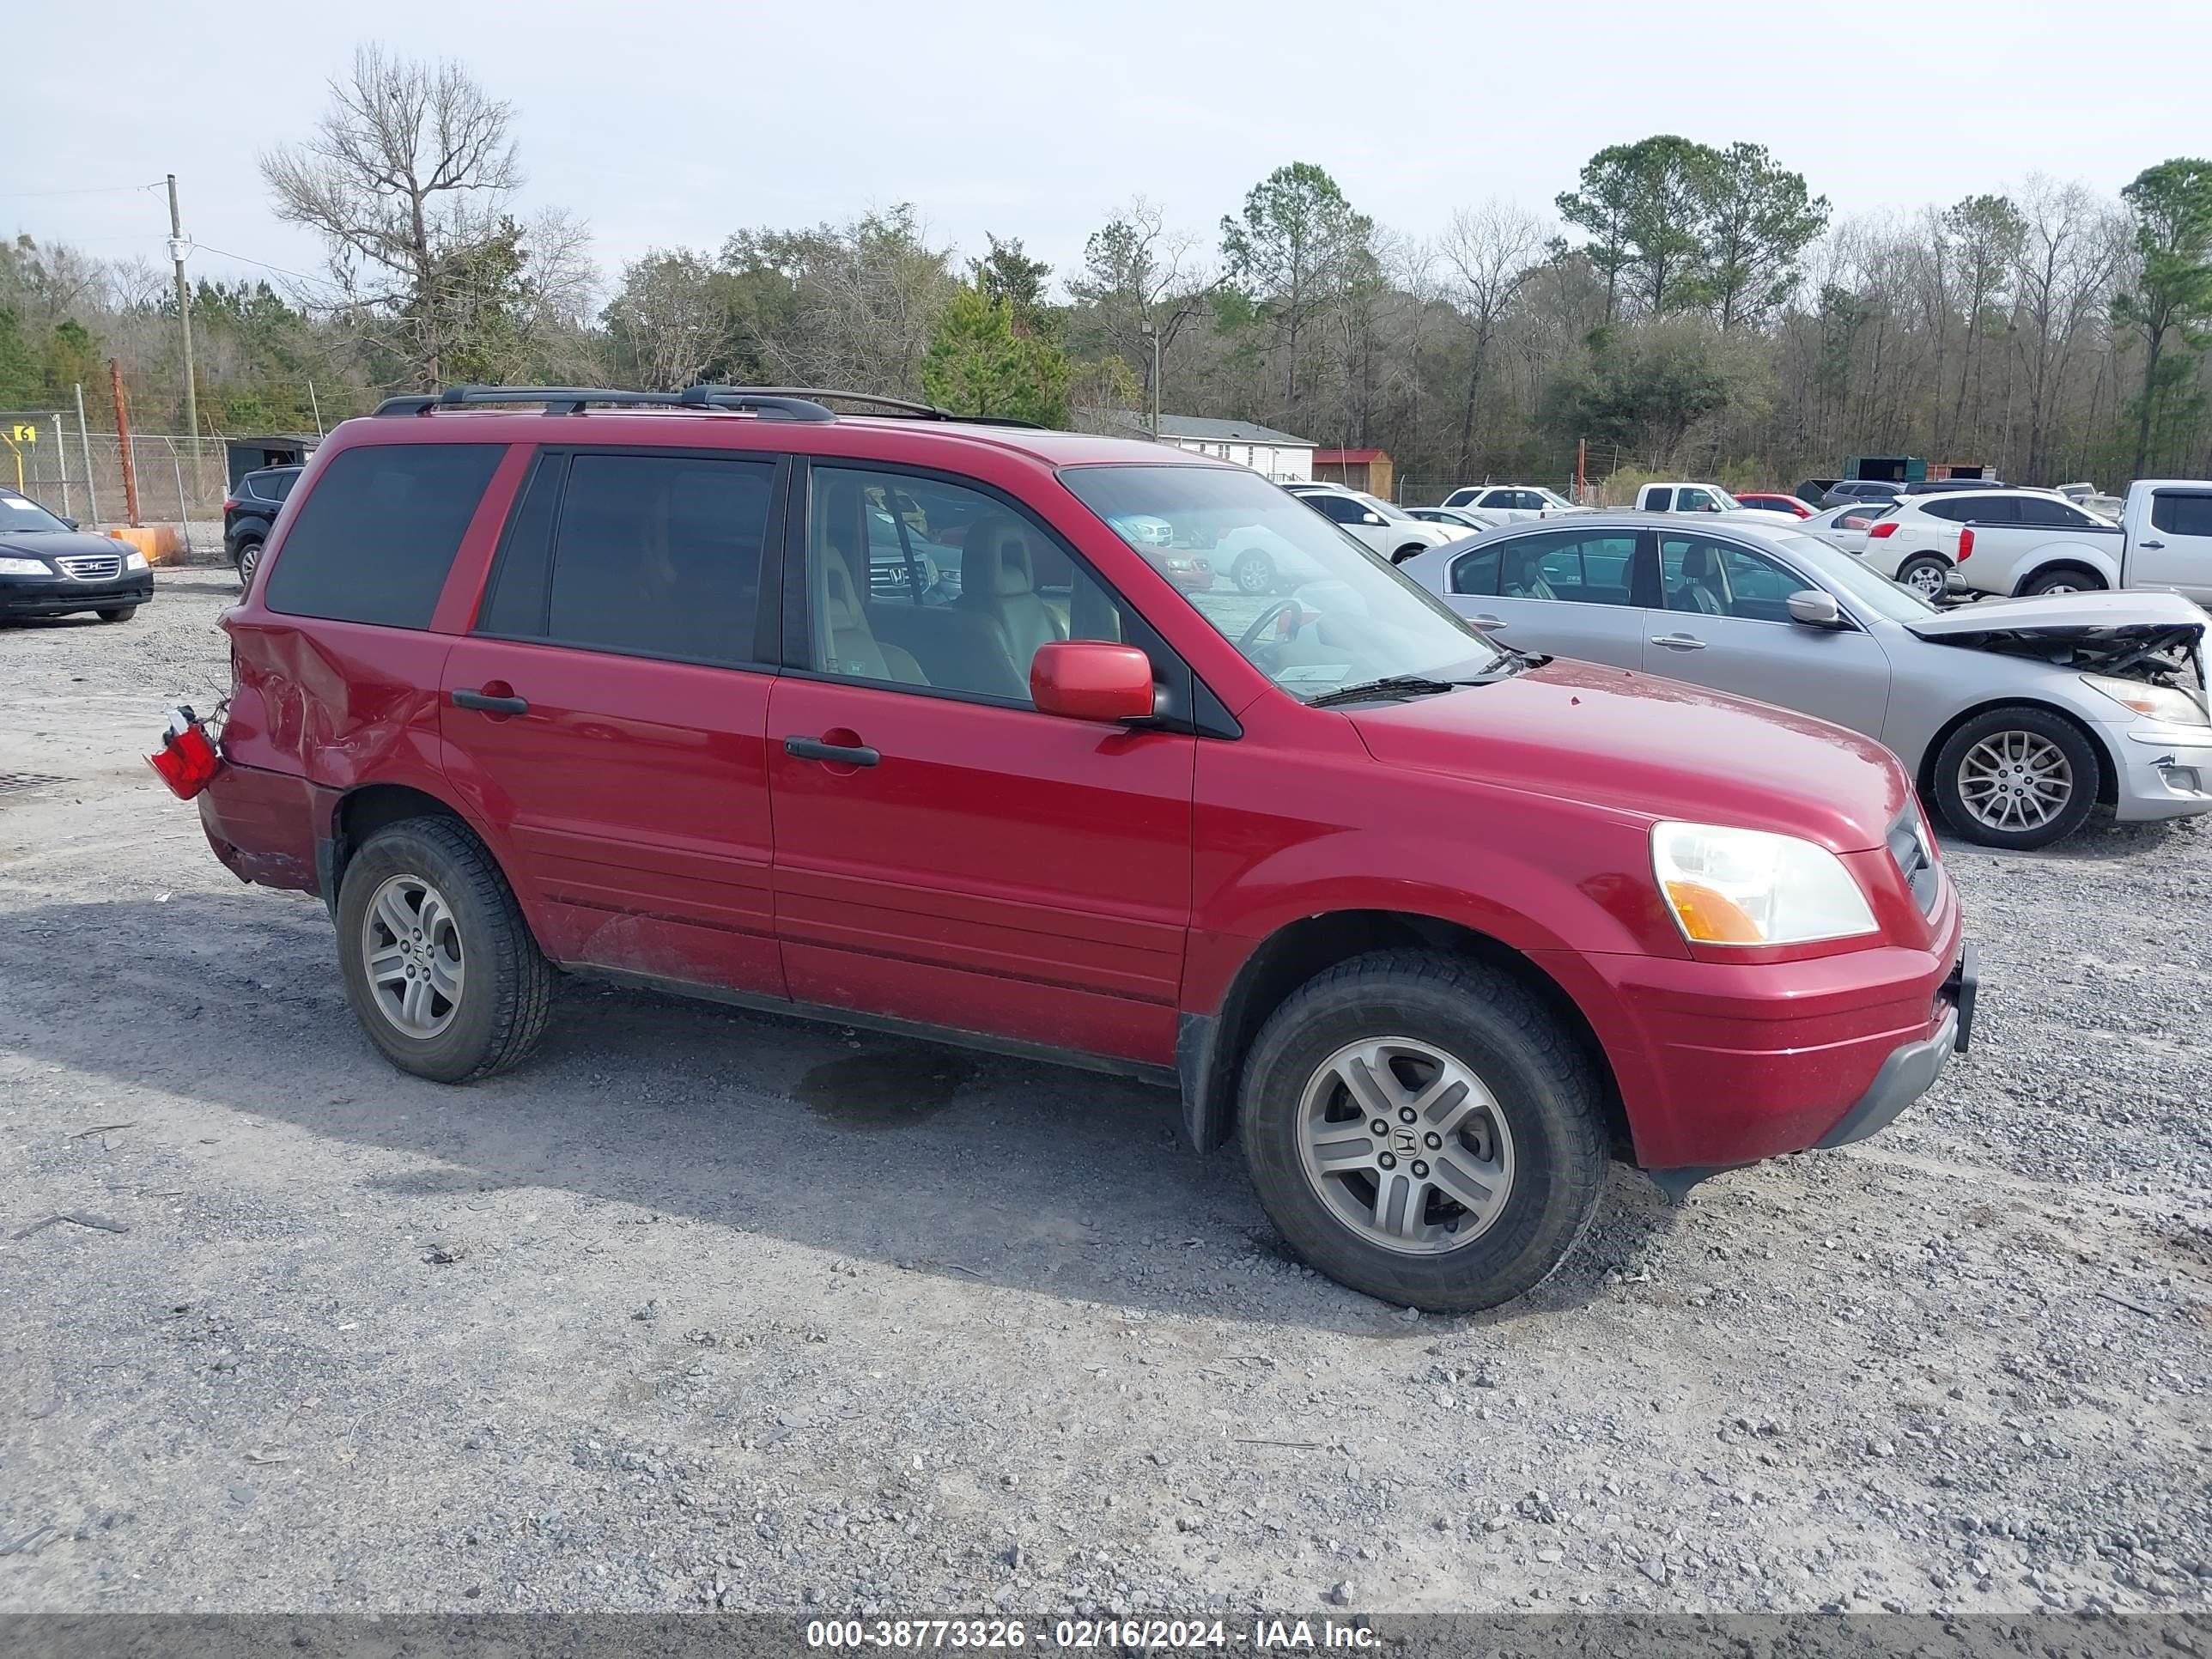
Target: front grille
point(1915, 860)
point(93, 567)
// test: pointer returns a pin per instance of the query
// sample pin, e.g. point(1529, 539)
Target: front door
point(944, 852)
point(2176, 550)
point(610, 713)
point(1726, 624)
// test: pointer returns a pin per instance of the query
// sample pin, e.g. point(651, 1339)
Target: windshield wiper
point(1390, 685)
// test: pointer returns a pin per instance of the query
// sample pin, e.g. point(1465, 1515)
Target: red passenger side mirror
point(1092, 680)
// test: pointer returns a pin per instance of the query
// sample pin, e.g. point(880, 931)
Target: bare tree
point(2071, 249)
point(1488, 254)
point(1142, 280)
point(406, 180)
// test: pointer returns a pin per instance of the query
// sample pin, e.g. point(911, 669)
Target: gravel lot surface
point(701, 1307)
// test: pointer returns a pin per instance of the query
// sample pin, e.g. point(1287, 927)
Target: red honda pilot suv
point(931, 725)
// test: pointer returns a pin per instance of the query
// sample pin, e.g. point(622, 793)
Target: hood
point(1750, 515)
point(2062, 615)
point(1652, 747)
point(52, 545)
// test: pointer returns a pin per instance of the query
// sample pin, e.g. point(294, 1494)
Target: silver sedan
point(2016, 715)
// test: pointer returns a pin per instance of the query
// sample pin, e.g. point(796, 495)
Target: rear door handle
point(486, 703)
point(1678, 641)
point(814, 749)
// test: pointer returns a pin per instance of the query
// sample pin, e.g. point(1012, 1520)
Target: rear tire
point(501, 985)
point(119, 613)
point(248, 560)
point(1407, 552)
point(1468, 1052)
point(1995, 777)
point(2063, 579)
point(1927, 573)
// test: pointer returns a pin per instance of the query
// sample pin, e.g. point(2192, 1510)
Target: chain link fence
point(80, 474)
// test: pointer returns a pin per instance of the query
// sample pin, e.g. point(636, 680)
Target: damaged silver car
point(2018, 716)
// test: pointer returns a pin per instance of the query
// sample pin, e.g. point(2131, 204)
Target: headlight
point(1747, 887)
point(2158, 702)
point(25, 567)
point(134, 560)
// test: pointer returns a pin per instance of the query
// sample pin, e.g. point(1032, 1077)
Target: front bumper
point(2165, 772)
point(61, 596)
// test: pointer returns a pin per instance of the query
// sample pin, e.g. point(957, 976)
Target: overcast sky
point(663, 124)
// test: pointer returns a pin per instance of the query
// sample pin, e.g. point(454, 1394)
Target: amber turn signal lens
point(1712, 918)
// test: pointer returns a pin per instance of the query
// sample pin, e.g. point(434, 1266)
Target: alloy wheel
point(411, 948)
point(1927, 579)
point(2015, 780)
point(1405, 1145)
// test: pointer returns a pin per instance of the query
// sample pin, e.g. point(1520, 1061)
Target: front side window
point(1311, 610)
point(921, 582)
point(375, 539)
point(2182, 512)
point(1719, 579)
point(1695, 501)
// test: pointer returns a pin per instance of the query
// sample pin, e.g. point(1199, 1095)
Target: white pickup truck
point(2034, 541)
point(1705, 498)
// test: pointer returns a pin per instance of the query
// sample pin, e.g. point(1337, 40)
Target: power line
point(203, 247)
point(87, 189)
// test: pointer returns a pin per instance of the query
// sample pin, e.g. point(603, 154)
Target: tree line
point(1680, 307)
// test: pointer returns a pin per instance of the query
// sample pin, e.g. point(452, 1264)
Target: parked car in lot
point(50, 567)
point(1815, 490)
point(1430, 924)
point(2036, 541)
point(1368, 520)
point(1512, 501)
point(248, 512)
point(2015, 717)
point(1859, 529)
point(1845, 491)
point(1705, 498)
point(1467, 520)
point(1770, 500)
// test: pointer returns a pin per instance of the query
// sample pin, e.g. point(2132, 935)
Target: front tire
point(119, 613)
point(438, 965)
point(1254, 572)
point(2018, 777)
point(1493, 1152)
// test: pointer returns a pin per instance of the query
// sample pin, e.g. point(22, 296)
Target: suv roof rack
point(787, 403)
point(573, 399)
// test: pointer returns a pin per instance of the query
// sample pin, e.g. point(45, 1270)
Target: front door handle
point(486, 702)
point(2150, 546)
point(1488, 622)
point(813, 749)
point(1679, 641)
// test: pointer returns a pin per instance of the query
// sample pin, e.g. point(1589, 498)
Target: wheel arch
point(2108, 776)
point(360, 812)
point(1210, 1050)
point(2059, 555)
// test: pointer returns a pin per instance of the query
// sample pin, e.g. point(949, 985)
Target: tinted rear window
point(2179, 514)
point(660, 555)
point(374, 538)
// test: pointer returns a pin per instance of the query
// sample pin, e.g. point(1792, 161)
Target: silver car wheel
point(2015, 780)
point(1254, 572)
point(1928, 579)
point(1405, 1146)
point(412, 948)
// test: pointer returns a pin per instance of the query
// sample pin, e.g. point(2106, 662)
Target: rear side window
point(2179, 515)
point(1476, 573)
point(374, 538)
point(1659, 501)
point(660, 556)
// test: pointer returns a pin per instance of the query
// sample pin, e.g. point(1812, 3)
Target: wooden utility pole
point(123, 438)
point(177, 247)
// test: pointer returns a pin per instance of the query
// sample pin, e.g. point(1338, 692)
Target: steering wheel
point(1249, 641)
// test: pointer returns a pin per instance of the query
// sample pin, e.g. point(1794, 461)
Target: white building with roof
point(1272, 454)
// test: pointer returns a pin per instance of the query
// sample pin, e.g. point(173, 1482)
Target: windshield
point(1305, 605)
point(1729, 504)
point(1395, 515)
point(1854, 580)
point(1552, 498)
point(20, 515)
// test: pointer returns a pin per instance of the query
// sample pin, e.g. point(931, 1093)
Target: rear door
point(1559, 592)
point(1725, 624)
point(2175, 549)
point(609, 709)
